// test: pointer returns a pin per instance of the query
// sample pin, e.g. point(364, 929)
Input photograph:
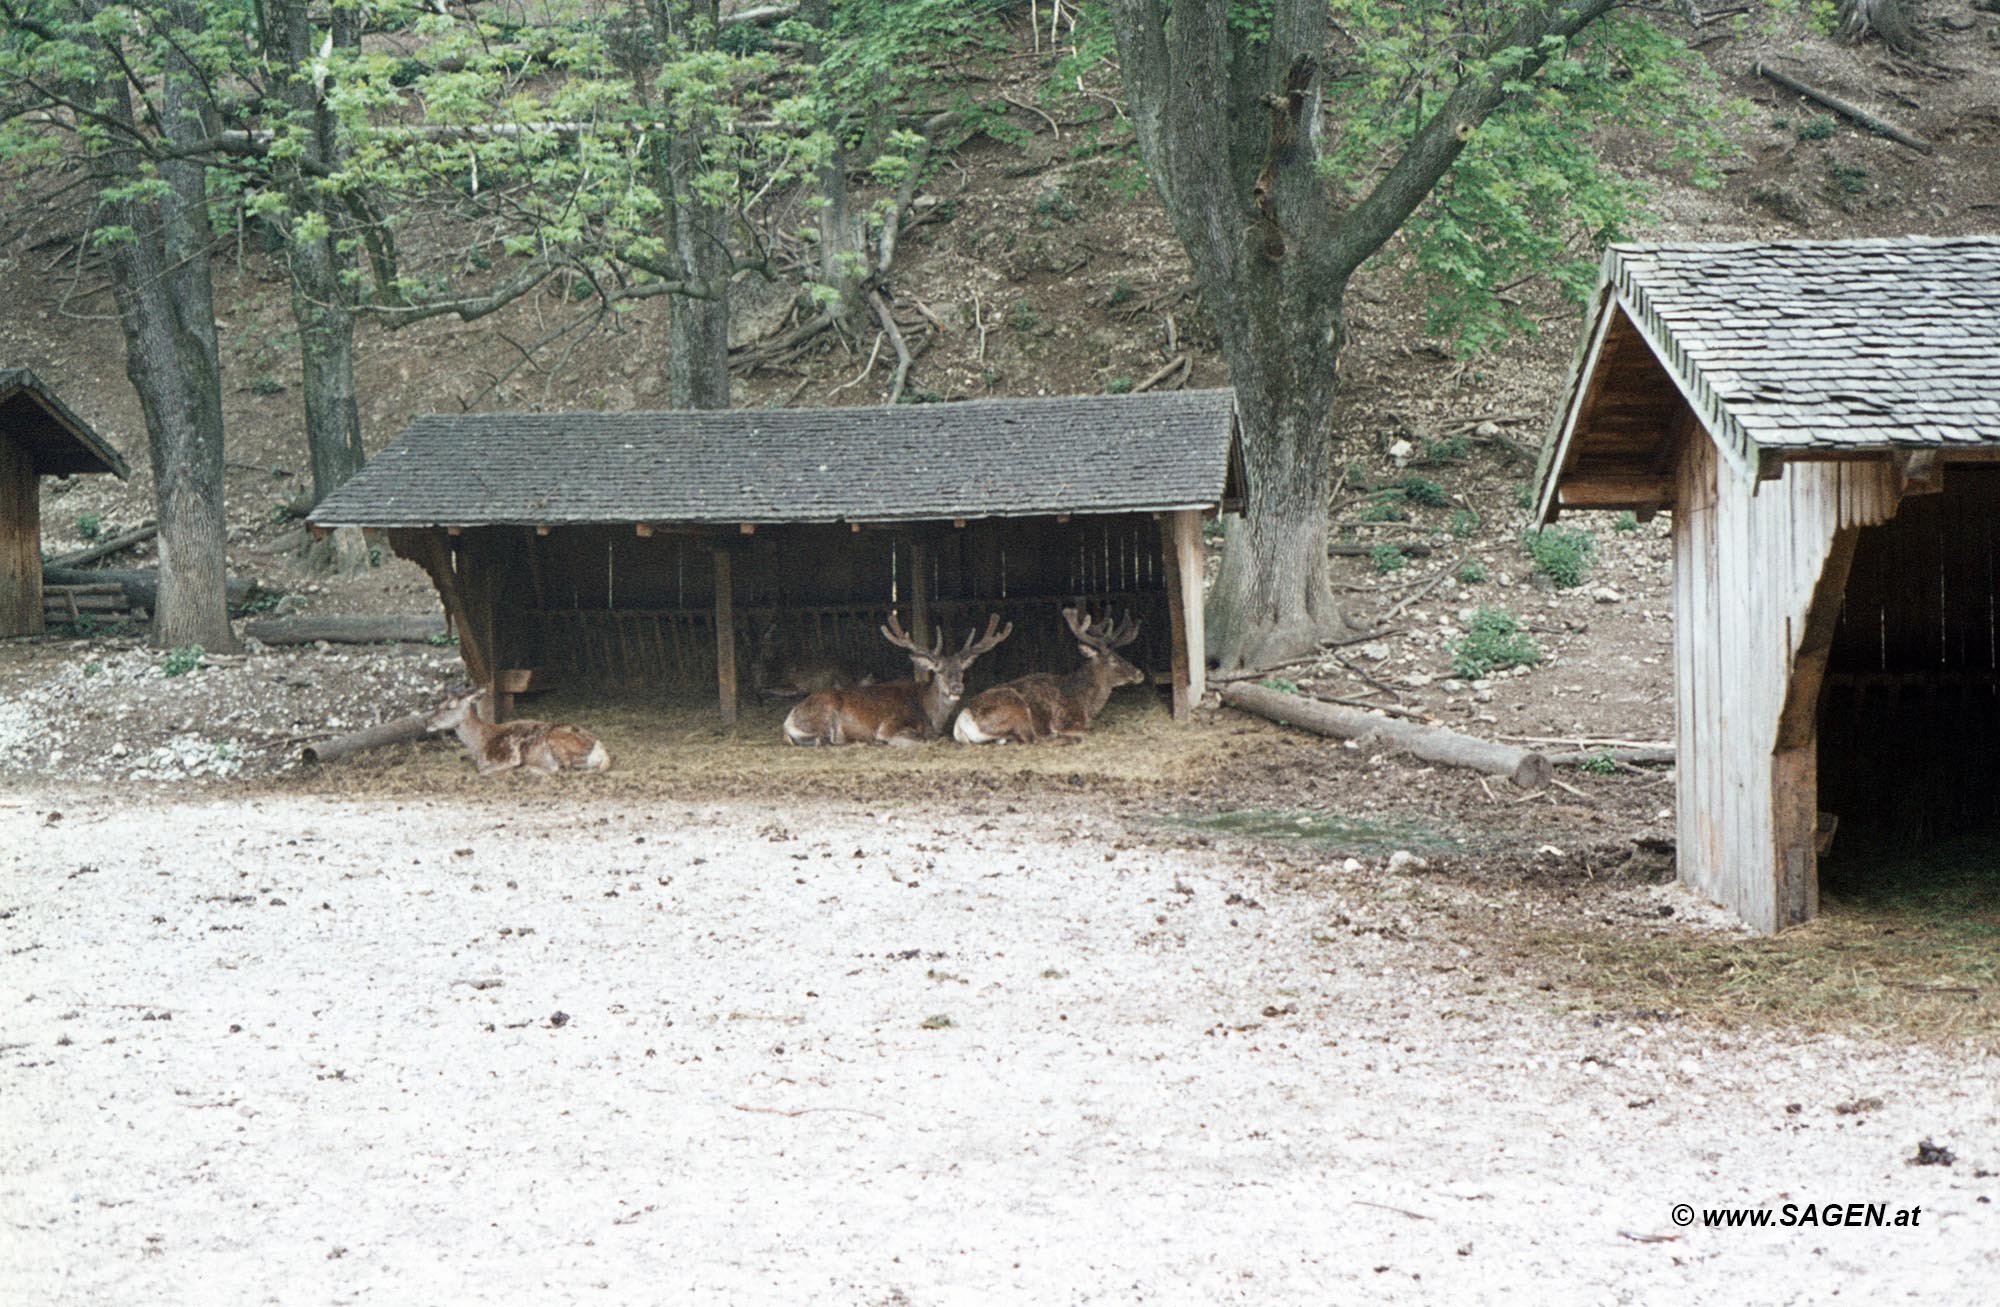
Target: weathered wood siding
point(20, 541)
point(1748, 558)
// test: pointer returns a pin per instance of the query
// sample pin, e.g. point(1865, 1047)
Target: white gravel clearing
point(1147, 1092)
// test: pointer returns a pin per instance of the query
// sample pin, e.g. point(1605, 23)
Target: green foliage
point(1625, 521)
point(1494, 641)
point(93, 668)
point(1121, 293)
point(1280, 684)
point(1599, 764)
point(1524, 494)
point(1849, 178)
point(1387, 558)
point(1423, 491)
point(1823, 16)
point(1055, 203)
point(1023, 317)
point(179, 662)
point(1119, 386)
point(1446, 449)
point(1472, 572)
point(1464, 523)
point(89, 525)
point(1356, 475)
point(1818, 127)
point(1386, 506)
point(1561, 553)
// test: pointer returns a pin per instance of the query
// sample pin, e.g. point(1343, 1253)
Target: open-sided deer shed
point(1823, 421)
point(652, 549)
point(39, 437)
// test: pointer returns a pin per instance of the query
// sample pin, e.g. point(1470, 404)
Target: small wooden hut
point(657, 549)
point(39, 436)
point(1822, 419)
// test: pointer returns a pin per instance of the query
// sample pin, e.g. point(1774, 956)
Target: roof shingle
point(978, 458)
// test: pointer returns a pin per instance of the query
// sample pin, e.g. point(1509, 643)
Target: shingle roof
point(63, 443)
point(979, 458)
point(1792, 345)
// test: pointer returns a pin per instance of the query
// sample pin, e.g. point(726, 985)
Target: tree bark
point(345, 630)
point(697, 233)
point(166, 306)
point(413, 727)
point(141, 586)
point(1524, 767)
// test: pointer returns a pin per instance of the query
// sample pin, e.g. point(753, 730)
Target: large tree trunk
point(166, 305)
point(321, 298)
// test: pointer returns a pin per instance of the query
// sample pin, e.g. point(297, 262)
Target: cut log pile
point(75, 603)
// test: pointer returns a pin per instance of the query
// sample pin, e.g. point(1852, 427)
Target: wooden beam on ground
point(1855, 113)
point(725, 636)
point(1526, 768)
point(344, 630)
point(105, 548)
point(1180, 548)
point(374, 737)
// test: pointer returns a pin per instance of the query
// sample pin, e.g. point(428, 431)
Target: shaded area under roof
point(61, 443)
point(911, 462)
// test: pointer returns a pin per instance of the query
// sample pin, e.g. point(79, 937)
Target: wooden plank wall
point(20, 541)
point(1747, 560)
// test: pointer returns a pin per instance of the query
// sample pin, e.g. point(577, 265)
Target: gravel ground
point(534, 1047)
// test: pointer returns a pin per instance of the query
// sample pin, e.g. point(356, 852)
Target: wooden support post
point(20, 540)
point(920, 590)
point(1180, 548)
point(725, 636)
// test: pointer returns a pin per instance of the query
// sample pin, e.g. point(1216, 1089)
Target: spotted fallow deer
point(543, 747)
point(1044, 706)
point(776, 674)
point(899, 712)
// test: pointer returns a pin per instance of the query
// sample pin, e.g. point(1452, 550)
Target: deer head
point(1100, 642)
point(455, 713)
point(943, 675)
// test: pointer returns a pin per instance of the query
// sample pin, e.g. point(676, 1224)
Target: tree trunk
point(1524, 767)
point(321, 298)
point(166, 306)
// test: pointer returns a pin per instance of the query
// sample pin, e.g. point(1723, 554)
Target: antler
point(975, 646)
point(1124, 633)
point(1105, 635)
point(896, 635)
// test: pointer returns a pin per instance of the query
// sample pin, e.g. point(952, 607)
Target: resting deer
point(775, 675)
point(543, 747)
point(1046, 706)
point(900, 712)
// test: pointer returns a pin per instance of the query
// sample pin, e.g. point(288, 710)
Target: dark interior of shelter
point(606, 608)
point(1909, 731)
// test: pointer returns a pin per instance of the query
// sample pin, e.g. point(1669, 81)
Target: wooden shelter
point(658, 549)
point(39, 436)
point(1823, 421)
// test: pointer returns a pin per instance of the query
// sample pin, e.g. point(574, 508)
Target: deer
point(544, 748)
point(775, 675)
point(1043, 705)
point(902, 713)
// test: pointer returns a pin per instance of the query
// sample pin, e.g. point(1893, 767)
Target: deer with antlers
point(541, 747)
point(1044, 706)
point(899, 712)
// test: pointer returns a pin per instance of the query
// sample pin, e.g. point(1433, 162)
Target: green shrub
point(1122, 293)
point(1424, 491)
point(1494, 641)
point(1599, 764)
point(1818, 127)
point(89, 525)
point(1524, 495)
point(1471, 572)
point(1625, 521)
point(1448, 449)
point(1387, 558)
point(1562, 554)
point(1119, 386)
point(1022, 317)
point(179, 662)
point(1280, 684)
point(1357, 476)
point(1385, 506)
point(1463, 523)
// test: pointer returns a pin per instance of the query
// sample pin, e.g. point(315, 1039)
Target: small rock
point(1486, 430)
point(1375, 653)
point(1401, 451)
point(1604, 594)
point(1418, 680)
point(1351, 866)
point(1404, 860)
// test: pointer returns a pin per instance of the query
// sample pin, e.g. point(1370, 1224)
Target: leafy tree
point(128, 89)
point(1291, 141)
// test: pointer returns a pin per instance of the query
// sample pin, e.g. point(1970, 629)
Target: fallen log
point(105, 548)
point(412, 727)
point(1853, 112)
point(345, 630)
point(1524, 767)
point(141, 586)
point(1638, 756)
point(1408, 548)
